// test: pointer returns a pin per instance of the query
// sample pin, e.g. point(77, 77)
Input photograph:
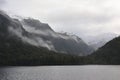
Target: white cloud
point(81, 17)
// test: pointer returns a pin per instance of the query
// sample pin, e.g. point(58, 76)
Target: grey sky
point(2, 2)
point(81, 17)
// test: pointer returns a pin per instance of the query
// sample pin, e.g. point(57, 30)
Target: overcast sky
point(81, 17)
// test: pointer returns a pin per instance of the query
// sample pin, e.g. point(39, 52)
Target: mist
point(84, 18)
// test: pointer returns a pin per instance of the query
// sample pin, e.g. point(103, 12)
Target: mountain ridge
point(108, 54)
point(34, 32)
point(21, 46)
point(100, 40)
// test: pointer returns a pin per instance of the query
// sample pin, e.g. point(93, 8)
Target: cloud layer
point(81, 17)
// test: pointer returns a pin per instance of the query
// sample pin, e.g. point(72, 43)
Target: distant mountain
point(100, 40)
point(108, 54)
point(33, 32)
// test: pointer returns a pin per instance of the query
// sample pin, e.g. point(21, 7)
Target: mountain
point(100, 40)
point(30, 42)
point(20, 47)
point(36, 33)
point(108, 54)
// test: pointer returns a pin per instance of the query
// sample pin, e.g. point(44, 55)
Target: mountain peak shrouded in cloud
point(36, 24)
point(100, 40)
point(36, 33)
point(82, 17)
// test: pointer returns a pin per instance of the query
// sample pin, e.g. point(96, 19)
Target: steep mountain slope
point(108, 54)
point(59, 42)
point(100, 40)
point(39, 34)
point(14, 50)
point(21, 45)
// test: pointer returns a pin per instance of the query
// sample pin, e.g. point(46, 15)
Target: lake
point(93, 72)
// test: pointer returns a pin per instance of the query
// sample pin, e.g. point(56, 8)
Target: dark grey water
point(61, 73)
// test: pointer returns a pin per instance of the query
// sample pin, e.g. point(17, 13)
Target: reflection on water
point(61, 73)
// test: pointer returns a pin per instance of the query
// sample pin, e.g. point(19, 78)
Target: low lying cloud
point(37, 41)
point(82, 17)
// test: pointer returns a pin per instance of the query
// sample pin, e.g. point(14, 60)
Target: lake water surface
point(61, 73)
